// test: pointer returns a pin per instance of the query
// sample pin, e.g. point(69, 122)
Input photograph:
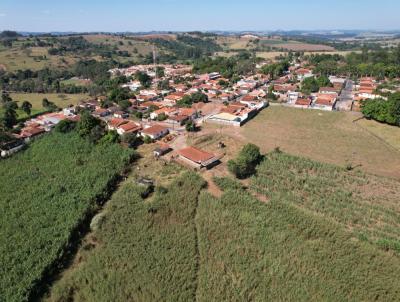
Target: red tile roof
point(130, 127)
point(117, 122)
point(303, 102)
point(195, 155)
point(154, 130)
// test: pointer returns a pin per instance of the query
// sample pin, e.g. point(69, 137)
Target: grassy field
point(46, 192)
point(15, 58)
point(389, 134)
point(61, 100)
point(329, 137)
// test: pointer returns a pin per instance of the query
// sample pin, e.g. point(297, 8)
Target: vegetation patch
point(364, 204)
point(252, 251)
point(147, 249)
point(46, 193)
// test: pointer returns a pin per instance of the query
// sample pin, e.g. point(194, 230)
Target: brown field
point(389, 134)
point(329, 137)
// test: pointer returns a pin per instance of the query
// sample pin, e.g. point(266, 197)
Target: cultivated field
point(144, 250)
point(182, 244)
point(366, 205)
point(46, 193)
point(329, 137)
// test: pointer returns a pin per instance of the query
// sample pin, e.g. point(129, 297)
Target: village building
point(161, 150)
point(325, 101)
point(130, 127)
point(197, 158)
point(155, 132)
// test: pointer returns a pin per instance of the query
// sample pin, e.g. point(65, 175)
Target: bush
point(383, 111)
point(246, 162)
point(65, 126)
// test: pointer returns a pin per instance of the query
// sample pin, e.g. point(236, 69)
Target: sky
point(188, 15)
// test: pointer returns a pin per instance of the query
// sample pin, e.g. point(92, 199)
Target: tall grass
point(365, 204)
point(147, 249)
point(46, 192)
point(251, 251)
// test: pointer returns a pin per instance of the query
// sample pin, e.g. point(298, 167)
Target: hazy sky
point(175, 15)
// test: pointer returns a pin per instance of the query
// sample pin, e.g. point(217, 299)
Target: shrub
point(65, 126)
point(245, 164)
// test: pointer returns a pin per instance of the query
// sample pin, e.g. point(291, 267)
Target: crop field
point(252, 251)
point(366, 205)
point(329, 137)
point(182, 244)
point(46, 193)
point(146, 249)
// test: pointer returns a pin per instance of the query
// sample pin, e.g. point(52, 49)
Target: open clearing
point(330, 137)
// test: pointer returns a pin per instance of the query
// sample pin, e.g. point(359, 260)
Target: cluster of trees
point(380, 63)
point(312, 84)
point(188, 100)
point(186, 47)
point(9, 117)
point(382, 110)
point(276, 70)
point(246, 162)
point(230, 68)
point(79, 45)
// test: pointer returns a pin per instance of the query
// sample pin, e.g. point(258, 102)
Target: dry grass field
point(61, 100)
point(388, 134)
point(329, 137)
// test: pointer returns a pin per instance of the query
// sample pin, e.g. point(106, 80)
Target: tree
point(131, 139)
point(160, 71)
point(96, 133)
point(87, 123)
point(49, 105)
point(26, 107)
point(111, 137)
point(10, 118)
point(382, 110)
point(323, 81)
point(162, 117)
point(147, 139)
point(245, 163)
point(5, 97)
point(144, 79)
point(65, 126)
point(190, 126)
point(309, 85)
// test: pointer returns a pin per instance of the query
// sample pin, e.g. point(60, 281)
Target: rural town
point(213, 151)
